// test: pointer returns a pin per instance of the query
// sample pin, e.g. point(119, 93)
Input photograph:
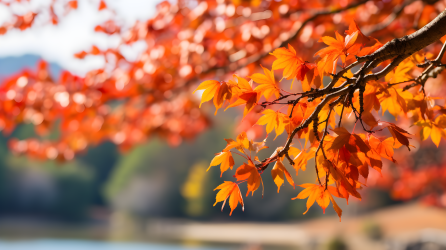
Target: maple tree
point(324, 72)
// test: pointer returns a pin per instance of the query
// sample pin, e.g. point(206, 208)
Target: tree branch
point(399, 48)
point(412, 43)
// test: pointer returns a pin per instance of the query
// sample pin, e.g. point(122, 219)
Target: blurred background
point(155, 196)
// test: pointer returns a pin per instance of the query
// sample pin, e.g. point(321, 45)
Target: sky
point(74, 33)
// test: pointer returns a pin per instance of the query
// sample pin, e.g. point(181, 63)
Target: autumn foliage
point(318, 74)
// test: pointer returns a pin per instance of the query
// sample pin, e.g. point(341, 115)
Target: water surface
point(49, 244)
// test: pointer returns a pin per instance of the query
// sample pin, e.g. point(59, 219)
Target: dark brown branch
point(412, 43)
point(289, 158)
point(431, 71)
point(386, 70)
point(321, 147)
point(399, 48)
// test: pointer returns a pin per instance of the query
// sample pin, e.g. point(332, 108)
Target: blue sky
point(74, 33)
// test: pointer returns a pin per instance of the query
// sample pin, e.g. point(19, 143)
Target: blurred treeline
point(151, 180)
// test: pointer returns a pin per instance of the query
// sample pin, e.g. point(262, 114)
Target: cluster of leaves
point(343, 160)
point(129, 101)
point(185, 42)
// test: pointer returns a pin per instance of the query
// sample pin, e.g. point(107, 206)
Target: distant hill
point(14, 64)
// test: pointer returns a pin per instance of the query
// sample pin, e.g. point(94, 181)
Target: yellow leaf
point(241, 143)
point(278, 172)
point(274, 120)
point(268, 85)
point(225, 159)
point(231, 190)
point(300, 161)
point(210, 87)
point(436, 134)
point(316, 192)
point(293, 66)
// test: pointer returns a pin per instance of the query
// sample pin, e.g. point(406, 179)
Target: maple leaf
point(241, 143)
point(369, 119)
point(352, 142)
point(210, 87)
point(369, 50)
point(250, 173)
point(312, 77)
point(400, 73)
point(223, 158)
point(298, 113)
point(394, 100)
point(278, 172)
point(301, 159)
point(371, 101)
point(292, 151)
point(250, 99)
point(244, 94)
point(318, 193)
point(337, 48)
point(436, 134)
point(257, 146)
point(293, 66)
point(341, 179)
point(268, 86)
point(274, 120)
point(223, 93)
point(382, 148)
point(231, 190)
point(424, 104)
point(361, 39)
point(433, 129)
point(399, 134)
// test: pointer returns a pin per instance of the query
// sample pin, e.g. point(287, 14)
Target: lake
point(49, 244)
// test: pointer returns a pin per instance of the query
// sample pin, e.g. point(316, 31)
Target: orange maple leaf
point(231, 190)
point(393, 100)
point(274, 120)
point(352, 142)
point(214, 89)
point(382, 148)
point(318, 193)
point(225, 160)
point(210, 87)
point(401, 73)
point(278, 172)
point(243, 93)
point(241, 143)
point(293, 66)
point(361, 39)
point(250, 173)
point(369, 50)
point(436, 130)
point(337, 48)
point(268, 86)
point(301, 159)
point(223, 93)
point(399, 134)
